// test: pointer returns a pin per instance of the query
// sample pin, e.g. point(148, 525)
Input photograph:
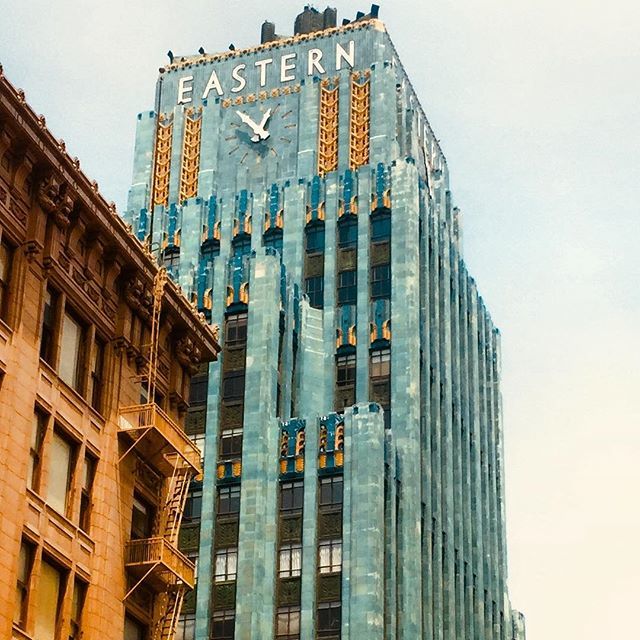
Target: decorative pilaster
point(328, 134)
point(190, 167)
point(360, 119)
point(162, 163)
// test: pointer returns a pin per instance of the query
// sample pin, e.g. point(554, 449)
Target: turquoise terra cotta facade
point(352, 429)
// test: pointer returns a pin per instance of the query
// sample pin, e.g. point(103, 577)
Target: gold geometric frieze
point(328, 128)
point(360, 119)
point(190, 156)
point(162, 163)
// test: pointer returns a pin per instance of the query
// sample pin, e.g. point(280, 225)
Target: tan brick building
point(94, 470)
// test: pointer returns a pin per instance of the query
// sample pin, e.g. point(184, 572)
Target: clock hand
point(247, 120)
point(265, 118)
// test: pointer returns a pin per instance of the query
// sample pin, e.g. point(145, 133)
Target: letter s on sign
point(242, 83)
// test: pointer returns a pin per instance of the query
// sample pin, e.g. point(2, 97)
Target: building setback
point(93, 473)
point(353, 474)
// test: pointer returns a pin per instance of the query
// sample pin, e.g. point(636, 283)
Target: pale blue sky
point(536, 105)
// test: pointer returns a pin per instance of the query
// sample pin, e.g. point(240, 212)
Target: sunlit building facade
point(352, 437)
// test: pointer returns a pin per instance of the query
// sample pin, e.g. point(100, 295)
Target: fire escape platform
point(160, 564)
point(158, 439)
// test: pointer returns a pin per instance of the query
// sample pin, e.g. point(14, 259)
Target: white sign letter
point(242, 83)
point(348, 56)
point(213, 83)
point(262, 64)
point(284, 67)
point(183, 90)
point(315, 55)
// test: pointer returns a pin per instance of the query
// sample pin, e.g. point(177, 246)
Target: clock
point(257, 131)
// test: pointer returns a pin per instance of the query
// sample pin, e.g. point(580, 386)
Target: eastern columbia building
point(351, 430)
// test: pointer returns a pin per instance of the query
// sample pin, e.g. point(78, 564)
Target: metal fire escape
point(156, 562)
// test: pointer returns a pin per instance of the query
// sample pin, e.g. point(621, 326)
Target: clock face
point(258, 131)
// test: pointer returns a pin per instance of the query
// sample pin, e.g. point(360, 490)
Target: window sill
point(19, 634)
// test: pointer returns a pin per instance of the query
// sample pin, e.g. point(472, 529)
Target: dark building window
point(346, 370)
point(38, 430)
point(329, 619)
point(347, 232)
point(48, 330)
point(186, 629)
point(273, 238)
point(134, 630)
point(331, 491)
point(210, 250)
point(88, 473)
point(96, 378)
point(228, 500)
point(381, 281)
point(236, 330)
point(291, 496)
point(242, 245)
point(193, 505)
point(233, 386)
point(226, 564)
point(380, 227)
point(223, 624)
point(288, 623)
point(199, 390)
point(230, 443)
point(171, 260)
point(142, 518)
point(77, 605)
point(381, 363)
point(314, 237)
point(6, 262)
point(314, 288)
point(25, 563)
point(347, 287)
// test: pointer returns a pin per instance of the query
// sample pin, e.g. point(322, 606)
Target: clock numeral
point(287, 140)
point(286, 115)
point(234, 150)
point(290, 126)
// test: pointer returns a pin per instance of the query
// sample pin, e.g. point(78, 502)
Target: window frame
point(7, 260)
point(333, 629)
point(73, 447)
point(347, 291)
point(289, 617)
point(286, 568)
point(314, 230)
point(236, 325)
point(346, 370)
point(348, 231)
point(229, 557)
point(334, 548)
point(223, 618)
point(23, 584)
point(378, 358)
point(332, 482)
point(380, 284)
point(237, 435)
point(89, 467)
point(380, 219)
point(231, 495)
point(291, 493)
point(77, 378)
point(315, 295)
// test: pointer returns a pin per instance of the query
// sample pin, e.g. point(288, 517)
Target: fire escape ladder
point(165, 628)
point(174, 506)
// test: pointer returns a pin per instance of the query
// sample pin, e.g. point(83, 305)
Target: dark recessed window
point(346, 370)
point(142, 517)
point(228, 500)
point(48, 329)
point(314, 237)
point(230, 443)
point(236, 330)
point(193, 505)
point(233, 386)
point(88, 472)
point(348, 232)
point(6, 263)
point(199, 390)
point(381, 281)
point(72, 356)
point(380, 227)
point(329, 619)
point(273, 239)
point(347, 287)
point(331, 491)
point(291, 496)
point(209, 251)
point(314, 288)
point(96, 377)
point(171, 260)
point(242, 245)
point(223, 624)
point(186, 629)
point(77, 606)
point(25, 563)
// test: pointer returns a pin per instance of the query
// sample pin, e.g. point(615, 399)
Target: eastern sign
point(288, 68)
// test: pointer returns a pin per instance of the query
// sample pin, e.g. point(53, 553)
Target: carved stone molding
point(55, 200)
point(189, 356)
